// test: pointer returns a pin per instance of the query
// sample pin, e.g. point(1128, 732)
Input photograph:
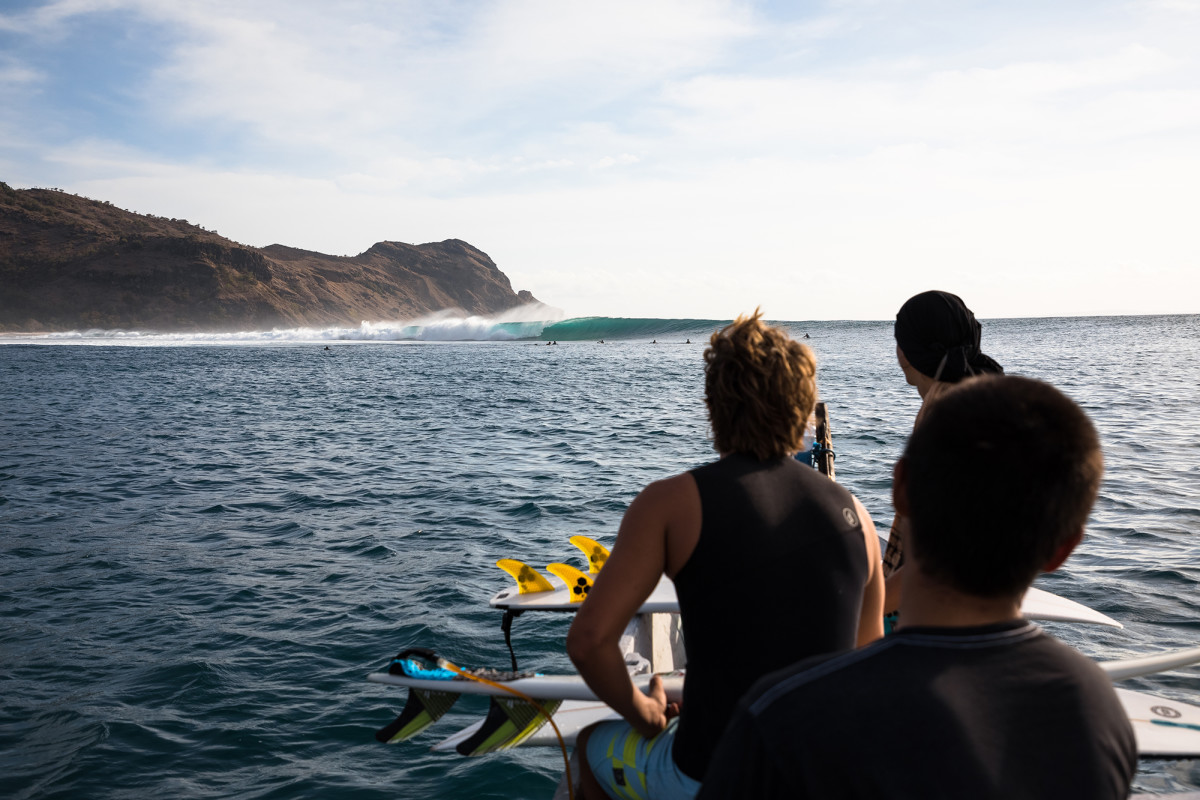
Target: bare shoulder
point(657, 507)
point(670, 502)
point(670, 490)
point(864, 516)
point(674, 506)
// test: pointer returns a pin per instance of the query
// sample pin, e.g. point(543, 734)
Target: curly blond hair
point(760, 388)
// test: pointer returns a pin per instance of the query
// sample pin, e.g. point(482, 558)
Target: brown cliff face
point(67, 262)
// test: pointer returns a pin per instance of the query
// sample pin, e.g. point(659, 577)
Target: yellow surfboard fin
point(529, 580)
point(596, 553)
point(576, 581)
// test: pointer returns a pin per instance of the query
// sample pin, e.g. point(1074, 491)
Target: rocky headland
point(69, 263)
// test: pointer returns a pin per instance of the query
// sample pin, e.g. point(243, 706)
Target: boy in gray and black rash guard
point(966, 699)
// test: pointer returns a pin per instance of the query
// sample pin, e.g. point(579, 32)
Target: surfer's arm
point(895, 587)
point(870, 623)
point(893, 564)
point(633, 569)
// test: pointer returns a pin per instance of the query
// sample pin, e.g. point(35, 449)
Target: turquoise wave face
point(594, 328)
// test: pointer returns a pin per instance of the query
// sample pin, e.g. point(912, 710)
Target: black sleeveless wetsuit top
point(777, 575)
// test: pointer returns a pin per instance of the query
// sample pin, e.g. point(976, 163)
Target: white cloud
point(250, 72)
point(1184, 6)
point(14, 75)
point(385, 76)
point(682, 159)
point(625, 159)
point(1089, 100)
point(805, 240)
point(534, 41)
point(49, 19)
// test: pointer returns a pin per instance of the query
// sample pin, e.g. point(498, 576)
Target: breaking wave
point(519, 324)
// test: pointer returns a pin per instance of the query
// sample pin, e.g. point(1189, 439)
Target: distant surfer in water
point(966, 699)
point(754, 523)
point(937, 345)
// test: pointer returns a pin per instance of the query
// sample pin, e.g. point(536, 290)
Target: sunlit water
point(207, 546)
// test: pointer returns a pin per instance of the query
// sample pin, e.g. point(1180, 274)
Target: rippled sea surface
point(205, 549)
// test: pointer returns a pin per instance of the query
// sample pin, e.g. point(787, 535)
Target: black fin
point(422, 709)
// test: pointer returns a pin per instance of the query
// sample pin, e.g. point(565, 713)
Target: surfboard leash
point(447, 665)
point(818, 451)
point(506, 625)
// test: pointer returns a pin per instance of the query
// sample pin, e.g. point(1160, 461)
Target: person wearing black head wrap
point(937, 344)
point(939, 337)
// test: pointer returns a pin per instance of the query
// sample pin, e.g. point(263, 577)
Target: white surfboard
point(1120, 669)
point(540, 687)
point(661, 600)
point(1038, 604)
point(1163, 728)
point(572, 687)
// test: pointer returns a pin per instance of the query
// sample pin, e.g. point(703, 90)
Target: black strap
point(819, 450)
point(424, 653)
point(506, 626)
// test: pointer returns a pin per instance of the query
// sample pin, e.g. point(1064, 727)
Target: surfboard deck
point(572, 687)
point(1120, 669)
point(539, 687)
point(1038, 604)
point(1163, 728)
point(661, 600)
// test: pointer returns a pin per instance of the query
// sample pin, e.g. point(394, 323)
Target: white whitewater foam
point(522, 322)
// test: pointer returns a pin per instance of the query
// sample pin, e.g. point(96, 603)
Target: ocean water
point(208, 542)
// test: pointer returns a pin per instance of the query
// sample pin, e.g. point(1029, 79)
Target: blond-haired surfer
point(755, 522)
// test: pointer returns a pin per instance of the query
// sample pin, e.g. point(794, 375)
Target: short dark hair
point(1000, 473)
point(760, 388)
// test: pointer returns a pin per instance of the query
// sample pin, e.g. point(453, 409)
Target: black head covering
point(939, 336)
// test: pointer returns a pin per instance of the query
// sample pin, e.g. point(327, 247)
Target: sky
point(649, 158)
